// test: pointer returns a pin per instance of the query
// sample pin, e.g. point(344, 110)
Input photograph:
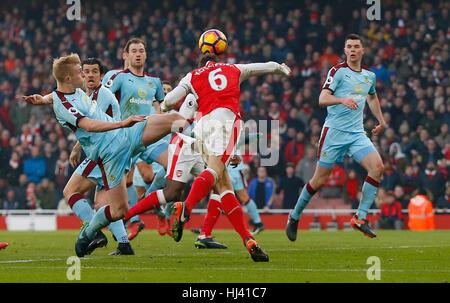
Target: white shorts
point(184, 161)
point(218, 133)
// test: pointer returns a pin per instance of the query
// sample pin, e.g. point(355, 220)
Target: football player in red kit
point(218, 124)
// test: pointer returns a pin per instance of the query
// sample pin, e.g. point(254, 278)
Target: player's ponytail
point(207, 57)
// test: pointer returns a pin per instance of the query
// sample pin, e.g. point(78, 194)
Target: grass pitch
point(315, 257)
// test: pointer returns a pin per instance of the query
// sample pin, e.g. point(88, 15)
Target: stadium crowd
point(408, 49)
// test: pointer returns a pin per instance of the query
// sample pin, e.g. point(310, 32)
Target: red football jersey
point(217, 85)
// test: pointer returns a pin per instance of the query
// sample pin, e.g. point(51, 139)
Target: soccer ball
point(212, 41)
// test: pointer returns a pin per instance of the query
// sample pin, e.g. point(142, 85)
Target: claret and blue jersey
point(136, 94)
point(343, 131)
point(344, 82)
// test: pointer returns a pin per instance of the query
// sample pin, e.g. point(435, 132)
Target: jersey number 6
point(217, 81)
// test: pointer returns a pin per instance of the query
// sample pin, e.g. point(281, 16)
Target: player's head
point(354, 48)
point(93, 72)
point(207, 57)
point(167, 87)
point(67, 70)
point(135, 54)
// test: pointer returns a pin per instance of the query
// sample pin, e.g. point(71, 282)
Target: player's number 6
point(214, 76)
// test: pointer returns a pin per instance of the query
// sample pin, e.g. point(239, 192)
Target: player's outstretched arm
point(37, 99)
point(374, 105)
point(260, 69)
point(326, 98)
point(97, 126)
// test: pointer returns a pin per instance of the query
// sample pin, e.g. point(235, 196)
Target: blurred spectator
point(444, 201)
point(295, 149)
point(14, 169)
point(34, 166)
point(432, 182)
point(352, 188)
point(261, 189)
point(410, 181)
point(306, 167)
point(290, 187)
point(334, 187)
point(62, 173)
point(399, 195)
point(21, 191)
point(443, 137)
point(391, 213)
point(10, 202)
point(46, 195)
point(390, 178)
point(31, 196)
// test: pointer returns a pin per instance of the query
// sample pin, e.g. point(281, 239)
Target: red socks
point(202, 185)
point(233, 210)
point(212, 215)
point(149, 202)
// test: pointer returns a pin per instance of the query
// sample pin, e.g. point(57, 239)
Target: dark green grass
point(315, 257)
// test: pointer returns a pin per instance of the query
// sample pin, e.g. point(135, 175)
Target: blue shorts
point(335, 144)
point(115, 160)
point(237, 179)
point(90, 170)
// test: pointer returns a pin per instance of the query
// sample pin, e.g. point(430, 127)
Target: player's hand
point(35, 99)
point(74, 158)
point(132, 120)
point(350, 103)
point(285, 69)
point(378, 130)
point(235, 160)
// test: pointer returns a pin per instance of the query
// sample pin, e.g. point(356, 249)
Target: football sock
point(212, 215)
point(252, 211)
point(81, 207)
point(234, 212)
point(150, 202)
point(369, 192)
point(101, 218)
point(132, 200)
point(303, 201)
point(201, 186)
point(118, 230)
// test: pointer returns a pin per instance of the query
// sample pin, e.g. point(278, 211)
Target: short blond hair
point(61, 66)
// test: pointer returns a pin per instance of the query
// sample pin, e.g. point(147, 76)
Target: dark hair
point(354, 37)
point(166, 82)
point(134, 40)
point(207, 57)
point(92, 61)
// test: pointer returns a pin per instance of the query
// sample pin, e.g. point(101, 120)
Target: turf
point(315, 257)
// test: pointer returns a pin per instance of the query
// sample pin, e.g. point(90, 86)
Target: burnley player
point(138, 94)
point(347, 87)
point(102, 139)
point(87, 175)
point(217, 89)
